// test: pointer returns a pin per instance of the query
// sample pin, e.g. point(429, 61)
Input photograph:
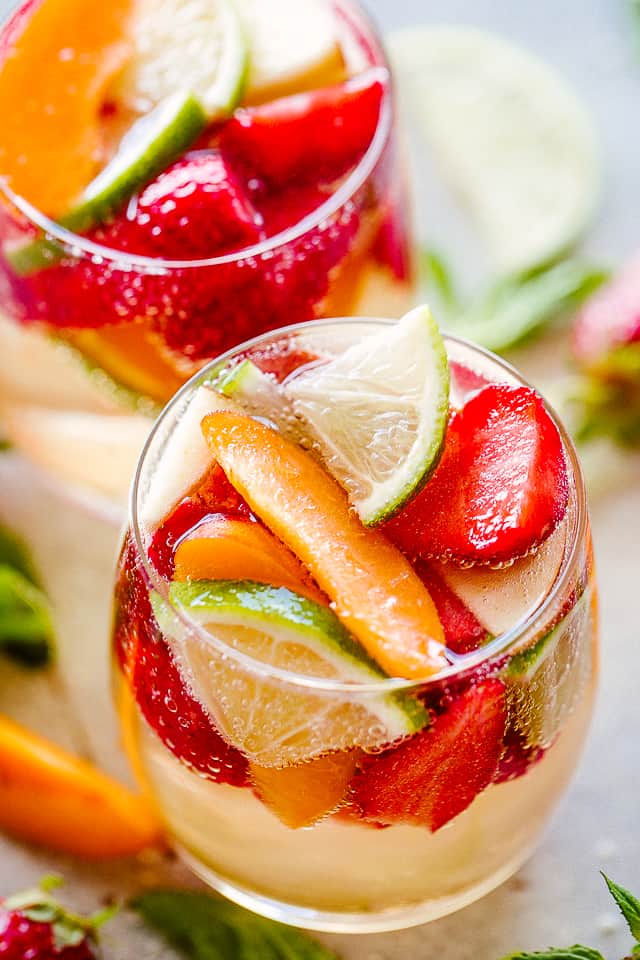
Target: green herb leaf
point(576, 952)
point(14, 553)
point(628, 905)
point(205, 928)
point(437, 273)
point(26, 627)
point(519, 307)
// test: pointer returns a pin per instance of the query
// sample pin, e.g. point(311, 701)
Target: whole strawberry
point(34, 926)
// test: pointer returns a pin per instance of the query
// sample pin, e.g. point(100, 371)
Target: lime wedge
point(513, 141)
point(293, 46)
point(378, 413)
point(196, 45)
point(274, 723)
point(152, 143)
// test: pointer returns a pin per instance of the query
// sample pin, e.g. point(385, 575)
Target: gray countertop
point(558, 898)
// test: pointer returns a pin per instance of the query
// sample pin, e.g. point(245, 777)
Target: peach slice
point(50, 797)
point(226, 548)
point(56, 68)
point(373, 588)
point(305, 793)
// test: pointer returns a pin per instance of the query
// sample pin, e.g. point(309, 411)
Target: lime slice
point(152, 143)
point(293, 46)
point(196, 45)
point(511, 138)
point(274, 723)
point(378, 413)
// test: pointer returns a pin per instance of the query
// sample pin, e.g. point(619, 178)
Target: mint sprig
point(516, 307)
point(203, 927)
point(26, 625)
point(629, 906)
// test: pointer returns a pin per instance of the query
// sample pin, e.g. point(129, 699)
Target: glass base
point(383, 921)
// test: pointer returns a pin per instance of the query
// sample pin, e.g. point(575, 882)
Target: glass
point(343, 874)
point(79, 400)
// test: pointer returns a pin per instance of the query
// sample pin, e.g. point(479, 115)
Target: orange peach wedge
point(302, 794)
point(226, 548)
point(54, 69)
point(49, 797)
point(372, 586)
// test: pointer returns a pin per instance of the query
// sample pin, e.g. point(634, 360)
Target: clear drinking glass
point(173, 677)
point(92, 345)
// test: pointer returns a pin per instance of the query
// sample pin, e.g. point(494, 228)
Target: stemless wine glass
point(92, 344)
point(198, 702)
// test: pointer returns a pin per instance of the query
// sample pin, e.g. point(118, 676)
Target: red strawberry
point(161, 693)
point(611, 318)
point(500, 489)
point(517, 759)
point(463, 632)
point(322, 133)
point(33, 926)
point(431, 778)
point(196, 209)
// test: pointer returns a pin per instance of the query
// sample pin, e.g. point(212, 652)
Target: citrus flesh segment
point(301, 53)
point(303, 794)
point(275, 723)
point(196, 45)
point(374, 590)
point(227, 548)
point(57, 127)
point(379, 413)
point(517, 146)
point(50, 797)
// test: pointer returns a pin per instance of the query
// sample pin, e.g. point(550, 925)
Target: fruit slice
point(500, 599)
point(272, 724)
point(230, 548)
point(501, 487)
point(610, 320)
point(49, 797)
point(515, 143)
point(147, 148)
point(162, 695)
point(307, 792)
point(293, 47)
point(355, 567)
point(185, 459)
point(196, 45)
point(379, 413)
point(463, 632)
point(194, 209)
point(321, 134)
point(57, 127)
point(435, 776)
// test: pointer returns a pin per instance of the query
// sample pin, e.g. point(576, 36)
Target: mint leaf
point(203, 927)
point(628, 905)
point(437, 273)
point(26, 627)
point(577, 952)
point(14, 553)
point(517, 307)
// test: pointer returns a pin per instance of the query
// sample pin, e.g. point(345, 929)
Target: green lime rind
point(288, 617)
point(375, 388)
point(148, 148)
point(233, 74)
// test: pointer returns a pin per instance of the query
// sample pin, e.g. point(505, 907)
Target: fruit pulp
point(136, 331)
point(372, 860)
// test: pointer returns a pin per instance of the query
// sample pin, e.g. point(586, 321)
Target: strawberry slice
point(197, 208)
point(462, 631)
point(434, 776)
point(322, 133)
point(500, 489)
point(162, 695)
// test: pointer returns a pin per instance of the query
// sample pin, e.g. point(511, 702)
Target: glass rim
point(80, 247)
point(521, 631)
